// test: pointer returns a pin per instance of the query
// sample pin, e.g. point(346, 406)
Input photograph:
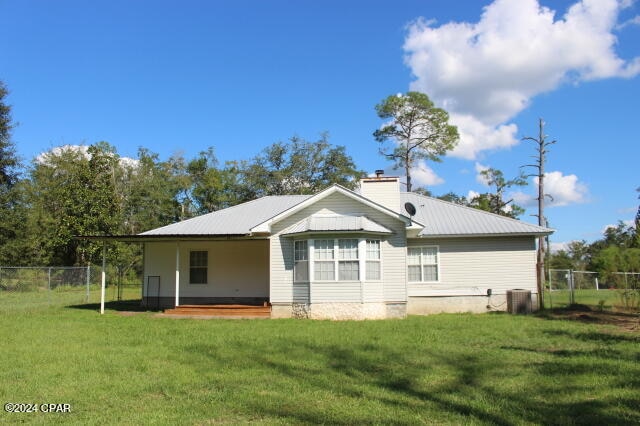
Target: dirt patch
point(625, 321)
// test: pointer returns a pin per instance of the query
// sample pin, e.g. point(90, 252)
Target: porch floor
point(223, 311)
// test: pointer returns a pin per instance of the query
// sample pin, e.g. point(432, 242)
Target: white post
point(362, 265)
point(597, 286)
point(88, 280)
point(103, 282)
point(177, 274)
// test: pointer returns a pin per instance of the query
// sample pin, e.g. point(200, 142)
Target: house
point(341, 254)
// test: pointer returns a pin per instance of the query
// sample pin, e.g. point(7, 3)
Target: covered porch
point(200, 275)
point(206, 272)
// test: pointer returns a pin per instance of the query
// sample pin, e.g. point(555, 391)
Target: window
point(373, 260)
point(198, 265)
point(301, 261)
point(348, 264)
point(336, 256)
point(422, 264)
point(324, 264)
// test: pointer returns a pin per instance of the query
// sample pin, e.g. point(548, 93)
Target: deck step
point(221, 310)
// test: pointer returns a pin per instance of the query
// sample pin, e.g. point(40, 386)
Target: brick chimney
point(384, 190)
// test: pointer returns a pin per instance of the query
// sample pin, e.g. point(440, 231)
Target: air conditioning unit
point(519, 301)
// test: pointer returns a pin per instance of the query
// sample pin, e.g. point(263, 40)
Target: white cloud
point(82, 150)
point(424, 175)
point(633, 21)
point(628, 223)
point(565, 190)
point(58, 151)
point(472, 194)
point(481, 179)
point(485, 73)
point(556, 247)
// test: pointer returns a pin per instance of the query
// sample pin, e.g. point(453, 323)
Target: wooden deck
point(223, 311)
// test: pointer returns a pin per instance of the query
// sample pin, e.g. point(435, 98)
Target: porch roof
point(336, 223)
point(236, 220)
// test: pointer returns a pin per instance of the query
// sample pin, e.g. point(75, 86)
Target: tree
point(12, 208)
point(149, 194)
point(212, 188)
point(298, 167)
point(494, 202)
point(8, 160)
point(452, 197)
point(72, 191)
point(541, 159)
point(419, 130)
point(637, 223)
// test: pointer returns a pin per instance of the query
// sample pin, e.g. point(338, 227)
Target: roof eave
point(476, 235)
point(139, 238)
point(342, 231)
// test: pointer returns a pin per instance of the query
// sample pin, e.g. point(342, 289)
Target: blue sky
point(239, 75)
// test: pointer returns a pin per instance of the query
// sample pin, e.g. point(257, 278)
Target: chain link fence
point(29, 288)
point(616, 290)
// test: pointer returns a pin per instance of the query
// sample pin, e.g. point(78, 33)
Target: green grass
point(42, 299)
point(442, 369)
point(611, 299)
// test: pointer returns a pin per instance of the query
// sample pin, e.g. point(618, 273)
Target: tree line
point(92, 190)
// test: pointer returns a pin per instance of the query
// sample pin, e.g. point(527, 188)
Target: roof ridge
point(475, 210)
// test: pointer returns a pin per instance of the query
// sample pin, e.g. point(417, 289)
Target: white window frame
point(367, 260)
point(341, 260)
point(330, 249)
point(205, 267)
point(423, 264)
point(336, 259)
point(297, 261)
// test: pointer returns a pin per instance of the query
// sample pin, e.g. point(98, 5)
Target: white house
point(340, 254)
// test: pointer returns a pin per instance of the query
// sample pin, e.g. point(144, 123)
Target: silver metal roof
point(341, 223)
point(442, 218)
point(236, 220)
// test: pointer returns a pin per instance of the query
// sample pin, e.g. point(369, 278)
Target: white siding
point(470, 266)
point(372, 291)
point(236, 268)
point(342, 291)
point(392, 288)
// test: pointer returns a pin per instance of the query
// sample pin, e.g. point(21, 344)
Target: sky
point(179, 77)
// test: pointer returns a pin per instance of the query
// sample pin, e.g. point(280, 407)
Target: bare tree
point(541, 151)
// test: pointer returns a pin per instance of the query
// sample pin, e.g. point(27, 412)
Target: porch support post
point(177, 274)
point(103, 281)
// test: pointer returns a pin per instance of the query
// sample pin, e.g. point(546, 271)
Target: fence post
point(49, 285)
point(549, 281)
point(572, 295)
point(626, 281)
point(597, 286)
point(88, 281)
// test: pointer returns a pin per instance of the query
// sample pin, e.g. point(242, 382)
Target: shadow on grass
point(387, 385)
point(627, 321)
point(118, 306)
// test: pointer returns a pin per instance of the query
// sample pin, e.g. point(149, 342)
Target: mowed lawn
point(442, 369)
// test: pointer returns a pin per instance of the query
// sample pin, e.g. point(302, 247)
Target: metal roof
point(340, 223)
point(442, 218)
point(236, 220)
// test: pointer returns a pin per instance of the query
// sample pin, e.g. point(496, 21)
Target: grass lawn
point(443, 369)
point(610, 298)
